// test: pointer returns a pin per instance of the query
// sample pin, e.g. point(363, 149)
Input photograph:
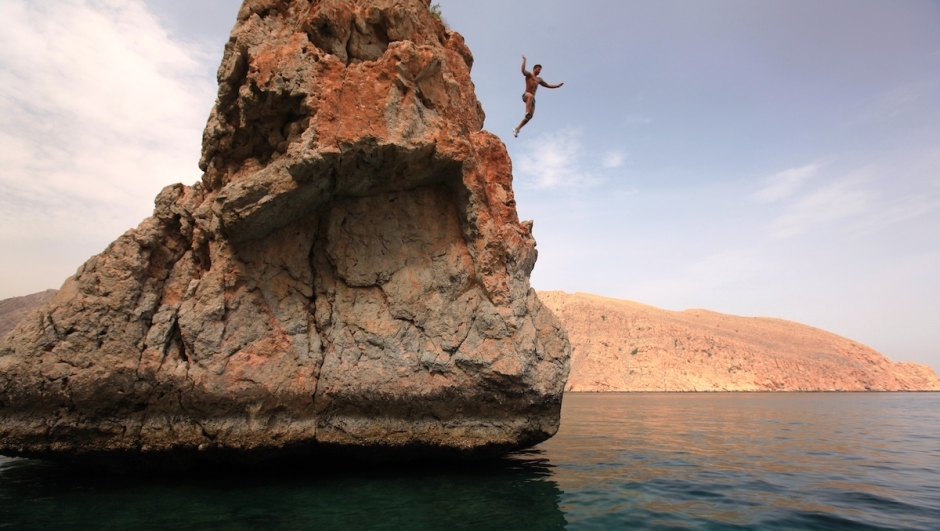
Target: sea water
point(620, 461)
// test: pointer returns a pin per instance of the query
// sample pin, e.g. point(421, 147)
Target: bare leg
point(529, 112)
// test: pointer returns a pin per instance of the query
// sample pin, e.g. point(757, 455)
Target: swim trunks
point(533, 97)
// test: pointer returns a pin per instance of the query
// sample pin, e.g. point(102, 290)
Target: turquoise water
point(620, 461)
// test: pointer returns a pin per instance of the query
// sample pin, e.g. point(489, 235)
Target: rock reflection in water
point(506, 495)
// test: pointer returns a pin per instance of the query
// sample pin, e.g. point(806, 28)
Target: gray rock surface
point(350, 275)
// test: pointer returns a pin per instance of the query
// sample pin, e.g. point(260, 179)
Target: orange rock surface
point(620, 345)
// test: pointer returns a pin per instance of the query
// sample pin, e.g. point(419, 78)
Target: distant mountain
point(12, 311)
point(620, 345)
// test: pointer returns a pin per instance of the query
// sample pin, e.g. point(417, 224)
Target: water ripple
point(750, 461)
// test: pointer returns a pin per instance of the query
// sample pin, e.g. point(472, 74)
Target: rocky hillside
point(12, 311)
point(625, 346)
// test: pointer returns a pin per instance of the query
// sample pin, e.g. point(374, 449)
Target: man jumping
point(532, 82)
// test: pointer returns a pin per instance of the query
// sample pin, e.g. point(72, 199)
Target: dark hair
point(536, 66)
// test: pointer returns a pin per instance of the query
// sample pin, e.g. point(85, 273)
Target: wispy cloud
point(901, 100)
point(613, 159)
point(787, 182)
point(857, 201)
point(845, 198)
point(864, 200)
point(556, 160)
point(99, 109)
point(912, 191)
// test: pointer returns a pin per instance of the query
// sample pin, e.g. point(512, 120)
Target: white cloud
point(612, 159)
point(99, 109)
point(787, 182)
point(866, 200)
point(555, 160)
point(910, 189)
point(839, 200)
point(899, 211)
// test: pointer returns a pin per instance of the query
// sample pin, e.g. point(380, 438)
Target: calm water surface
point(620, 461)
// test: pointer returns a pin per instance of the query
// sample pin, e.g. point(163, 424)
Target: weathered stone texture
point(349, 274)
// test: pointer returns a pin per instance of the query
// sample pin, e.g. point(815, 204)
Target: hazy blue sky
point(751, 157)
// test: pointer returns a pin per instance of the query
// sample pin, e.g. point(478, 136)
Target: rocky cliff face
point(350, 274)
point(625, 346)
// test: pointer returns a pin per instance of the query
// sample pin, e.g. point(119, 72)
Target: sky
point(751, 157)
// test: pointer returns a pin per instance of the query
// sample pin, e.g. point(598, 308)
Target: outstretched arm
point(546, 85)
point(526, 74)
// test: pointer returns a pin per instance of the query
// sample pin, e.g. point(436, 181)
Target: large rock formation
point(349, 276)
point(620, 345)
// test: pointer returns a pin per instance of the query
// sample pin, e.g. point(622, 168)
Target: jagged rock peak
point(349, 276)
